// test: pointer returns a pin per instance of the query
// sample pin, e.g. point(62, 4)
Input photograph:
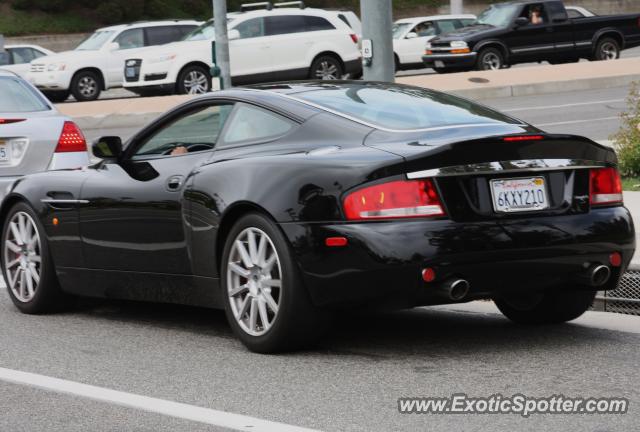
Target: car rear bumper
point(50, 80)
point(450, 60)
point(383, 261)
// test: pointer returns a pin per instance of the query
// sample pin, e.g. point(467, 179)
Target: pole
point(376, 27)
point(456, 7)
point(222, 42)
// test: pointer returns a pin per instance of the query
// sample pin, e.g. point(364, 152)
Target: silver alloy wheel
point(491, 61)
point(22, 257)
point(608, 51)
point(195, 82)
point(327, 71)
point(254, 281)
point(87, 86)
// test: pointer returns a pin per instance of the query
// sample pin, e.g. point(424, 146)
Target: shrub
point(627, 140)
point(109, 12)
point(158, 9)
point(22, 4)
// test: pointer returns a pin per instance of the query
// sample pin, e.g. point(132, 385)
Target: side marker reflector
point(335, 241)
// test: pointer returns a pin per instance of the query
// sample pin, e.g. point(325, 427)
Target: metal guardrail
point(626, 298)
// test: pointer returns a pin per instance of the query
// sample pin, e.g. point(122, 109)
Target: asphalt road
point(122, 93)
point(350, 382)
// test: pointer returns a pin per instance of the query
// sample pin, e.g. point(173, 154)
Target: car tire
point(490, 59)
point(607, 49)
point(326, 67)
point(86, 86)
point(287, 320)
point(552, 307)
point(29, 273)
point(56, 96)
point(193, 79)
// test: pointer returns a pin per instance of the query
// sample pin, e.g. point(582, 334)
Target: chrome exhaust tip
point(598, 275)
point(458, 289)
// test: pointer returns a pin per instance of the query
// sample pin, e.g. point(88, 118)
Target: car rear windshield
point(402, 107)
point(16, 97)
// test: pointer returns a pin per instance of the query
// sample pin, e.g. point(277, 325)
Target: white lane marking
point(579, 121)
point(159, 406)
point(548, 107)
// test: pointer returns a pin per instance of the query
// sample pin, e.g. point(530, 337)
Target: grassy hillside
point(24, 17)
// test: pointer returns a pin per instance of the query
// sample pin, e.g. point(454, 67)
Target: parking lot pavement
point(352, 381)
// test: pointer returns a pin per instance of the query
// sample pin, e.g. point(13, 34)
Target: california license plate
point(4, 151)
point(519, 195)
point(439, 63)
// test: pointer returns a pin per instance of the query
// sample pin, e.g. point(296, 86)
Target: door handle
point(174, 183)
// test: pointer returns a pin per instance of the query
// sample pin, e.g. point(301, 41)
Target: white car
point(16, 58)
point(264, 45)
point(410, 35)
point(578, 12)
point(97, 63)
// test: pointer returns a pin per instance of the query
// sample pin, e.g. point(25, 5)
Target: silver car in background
point(34, 136)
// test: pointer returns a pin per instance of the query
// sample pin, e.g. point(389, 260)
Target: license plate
point(519, 195)
point(439, 64)
point(130, 72)
point(4, 152)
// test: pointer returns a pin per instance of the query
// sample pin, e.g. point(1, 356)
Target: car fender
point(482, 44)
point(608, 30)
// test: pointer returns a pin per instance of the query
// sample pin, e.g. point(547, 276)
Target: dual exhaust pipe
point(457, 289)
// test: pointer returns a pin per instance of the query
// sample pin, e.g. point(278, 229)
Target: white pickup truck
point(97, 63)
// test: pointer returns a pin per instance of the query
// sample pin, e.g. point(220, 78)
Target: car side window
point(22, 55)
point(5, 58)
point(132, 38)
point(424, 29)
point(314, 23)
point(574, 13)
point(249, 124)
point(284, 24)
point(557, 12)
point(251, 28)
point(193, 132)
point(162, 35)
point(446, 26)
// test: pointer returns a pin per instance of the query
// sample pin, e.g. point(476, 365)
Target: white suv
point(97, 63)
point(272, 44)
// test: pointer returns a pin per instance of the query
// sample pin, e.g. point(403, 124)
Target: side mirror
point(233, 34)
point(107, 147)
point(411, 35)
point(113, 46)
point(522, 21)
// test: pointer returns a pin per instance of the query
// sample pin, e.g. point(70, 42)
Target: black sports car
point(282, 203)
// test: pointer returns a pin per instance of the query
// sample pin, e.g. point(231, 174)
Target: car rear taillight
point(605, 186)
point(354, 38)
point(9, 121)
point(71, 139)
point(396, 199)
point(523, 138)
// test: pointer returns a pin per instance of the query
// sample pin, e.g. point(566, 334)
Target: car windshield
point(206, 31)
point(401, 107)
point(400, 29)
point(95, 41)
point(498, 15)
point(17, 97)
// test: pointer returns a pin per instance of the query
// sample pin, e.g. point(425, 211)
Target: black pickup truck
point(531, 31)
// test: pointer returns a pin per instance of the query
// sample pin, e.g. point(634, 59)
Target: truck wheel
point(607, 49)
point(326, 67)
point(85, 86)
point(56, 96)
point(193, 79)
point(546, 308)
point(490, 59)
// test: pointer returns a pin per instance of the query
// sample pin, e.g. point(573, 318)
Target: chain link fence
point(625, 299)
